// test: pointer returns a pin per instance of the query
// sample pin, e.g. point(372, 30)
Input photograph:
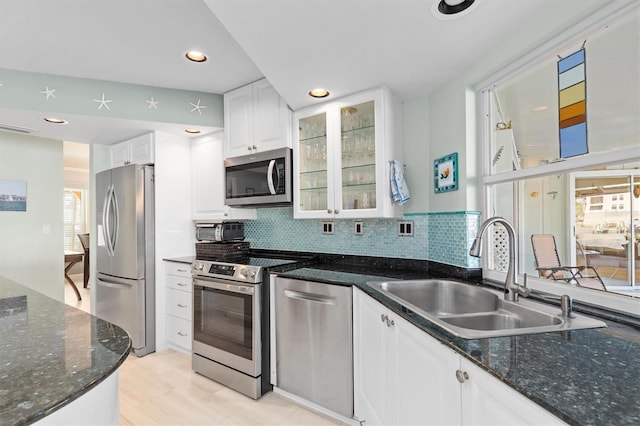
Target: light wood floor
point(161, 389)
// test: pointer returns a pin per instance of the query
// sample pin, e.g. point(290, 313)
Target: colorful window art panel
point(572, 105)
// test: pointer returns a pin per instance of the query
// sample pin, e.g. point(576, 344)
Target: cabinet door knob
point(329, 211)
point(336, 211)
point(249, 148)
point(254, 147)
point(462, 376)
point(390, 322)
point(383, 317)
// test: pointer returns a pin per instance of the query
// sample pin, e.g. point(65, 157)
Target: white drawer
point(179, 304)
point(179, 283)
point(179, 269)
point(179, 332)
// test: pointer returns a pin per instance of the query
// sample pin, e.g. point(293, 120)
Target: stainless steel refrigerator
point(125, 264)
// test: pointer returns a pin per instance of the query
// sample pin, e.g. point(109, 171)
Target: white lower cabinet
point(405, 377)
point(488, 401)
point(179, 305)
point(402, 376)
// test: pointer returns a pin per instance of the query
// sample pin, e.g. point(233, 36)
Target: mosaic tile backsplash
point(440, 237)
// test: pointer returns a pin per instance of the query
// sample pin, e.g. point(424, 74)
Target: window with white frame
point(74, 218)
point(528, 182)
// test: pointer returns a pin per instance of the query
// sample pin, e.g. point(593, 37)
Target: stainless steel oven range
point(231, 322)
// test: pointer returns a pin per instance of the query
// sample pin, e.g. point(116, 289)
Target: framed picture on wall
point(445, 173)
point(13, 195)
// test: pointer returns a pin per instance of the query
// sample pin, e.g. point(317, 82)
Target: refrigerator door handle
point(113, 283)
point(116, 217)
point(106, 207)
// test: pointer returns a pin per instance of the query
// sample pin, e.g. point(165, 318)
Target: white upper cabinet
point(342, 151)
point(139, 150)
point(256, 119)
point(207, 182)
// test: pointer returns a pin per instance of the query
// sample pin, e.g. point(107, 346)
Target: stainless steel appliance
point(125, 264)
point(231, 321)
point(314, 342)
point(219, 232)
point(259, 179)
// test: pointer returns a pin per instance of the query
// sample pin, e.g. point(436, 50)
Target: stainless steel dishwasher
point(314, 342)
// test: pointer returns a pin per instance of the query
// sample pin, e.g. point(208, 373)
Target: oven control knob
point(247, 272)
point(200, 266)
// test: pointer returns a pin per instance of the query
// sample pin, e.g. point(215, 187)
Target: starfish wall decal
point(103, 102)
point(152, 103)
point(48, 92)
point(197, 107)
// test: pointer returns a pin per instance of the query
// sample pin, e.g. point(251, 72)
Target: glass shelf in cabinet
point(315, 188)
point(358, 166)
point(309, 172)
point(358, 185)
point(357, 129)
point(312, 138)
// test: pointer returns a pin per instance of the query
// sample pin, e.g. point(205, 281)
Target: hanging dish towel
point(399, 189)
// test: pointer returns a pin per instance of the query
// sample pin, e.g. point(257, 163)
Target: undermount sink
point(473, 312)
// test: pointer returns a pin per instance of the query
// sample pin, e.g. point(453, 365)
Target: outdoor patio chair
point(548, 265)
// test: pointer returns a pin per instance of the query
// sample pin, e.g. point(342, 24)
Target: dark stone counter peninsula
point(54, 358)
point(588, 377)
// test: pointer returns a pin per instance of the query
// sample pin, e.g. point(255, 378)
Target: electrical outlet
point(405, 228)
point(358, 227)
point(327, 228)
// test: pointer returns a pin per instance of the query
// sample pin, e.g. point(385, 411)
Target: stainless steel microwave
point(261, 179)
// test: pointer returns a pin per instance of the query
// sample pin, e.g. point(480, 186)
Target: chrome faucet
point(511, 288)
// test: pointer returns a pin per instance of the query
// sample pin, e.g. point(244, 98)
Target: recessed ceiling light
point(195, 56)
point(192, 131)
point(55, 120)
point(453, 9)
point(319, 93)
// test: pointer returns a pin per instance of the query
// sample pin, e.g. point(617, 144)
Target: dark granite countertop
point(589, 377)
point(50, 353)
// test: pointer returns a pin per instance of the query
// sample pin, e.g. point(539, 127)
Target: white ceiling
point(344, 45)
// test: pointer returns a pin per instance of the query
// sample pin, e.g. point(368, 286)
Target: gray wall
point(32, 247)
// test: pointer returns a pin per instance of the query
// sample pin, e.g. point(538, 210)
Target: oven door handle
point(232, 288)
point(310, 297)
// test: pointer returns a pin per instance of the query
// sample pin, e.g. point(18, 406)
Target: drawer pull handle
point(182, 333)
point(181, 270)
point(181, 305)
point(182, 284)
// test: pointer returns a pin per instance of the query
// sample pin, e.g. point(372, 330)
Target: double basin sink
point(474, 312)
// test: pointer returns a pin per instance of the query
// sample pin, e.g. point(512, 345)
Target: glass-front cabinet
point(342, 152)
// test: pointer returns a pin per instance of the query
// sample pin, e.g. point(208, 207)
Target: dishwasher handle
point(310, 297)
